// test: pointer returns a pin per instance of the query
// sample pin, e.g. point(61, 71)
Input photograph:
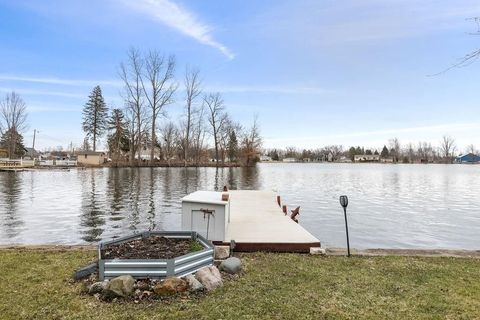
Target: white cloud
point(60, 81)
point(179, 18)
point(43, 92)
point(48, 80)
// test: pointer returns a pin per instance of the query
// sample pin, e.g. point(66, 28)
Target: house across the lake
point(367, 158)
point(265, 158)
point(91, 158)
point(387, 160)
point(468, 158)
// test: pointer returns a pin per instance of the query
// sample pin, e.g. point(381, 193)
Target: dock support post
point(278, 201)
point(284, 209)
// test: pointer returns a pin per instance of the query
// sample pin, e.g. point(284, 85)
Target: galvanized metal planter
point(156, 268)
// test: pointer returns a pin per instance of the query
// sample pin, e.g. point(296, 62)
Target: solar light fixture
point(344, 204)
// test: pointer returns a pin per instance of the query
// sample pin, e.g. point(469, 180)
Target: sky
point(314, 72)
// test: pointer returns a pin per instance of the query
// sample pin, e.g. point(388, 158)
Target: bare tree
point(161, 87)
point(447, 147)
point(334, 150)
point(198, 134)
point(13, 120)
point(169, 137)
point(395, 148)
point(192, 91)
point(131, 74)
point(291, 152)
point(471, 149)
point(251, 143)
point(410, 152)
point(216, 118)
point(224, 134)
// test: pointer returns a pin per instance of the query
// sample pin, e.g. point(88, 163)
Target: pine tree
point(13, 142)
point(95, 115)
point(118, 139)
point(351, 153)
point(384, 152)
point(232, 146)
point(274, 155)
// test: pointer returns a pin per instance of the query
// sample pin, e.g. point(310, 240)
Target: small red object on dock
point(225, 196)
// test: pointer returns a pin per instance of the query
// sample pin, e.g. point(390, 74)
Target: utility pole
point(33, 144)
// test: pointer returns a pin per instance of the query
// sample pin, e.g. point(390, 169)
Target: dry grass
point(36, 284)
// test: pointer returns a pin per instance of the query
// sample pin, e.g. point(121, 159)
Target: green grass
point(37, 284)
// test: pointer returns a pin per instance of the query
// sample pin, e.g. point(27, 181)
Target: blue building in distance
point(468, 158)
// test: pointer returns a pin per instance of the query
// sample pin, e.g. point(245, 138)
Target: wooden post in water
point(278, 201)
point(284, 209)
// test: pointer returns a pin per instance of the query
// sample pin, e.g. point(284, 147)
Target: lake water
point(391, 206)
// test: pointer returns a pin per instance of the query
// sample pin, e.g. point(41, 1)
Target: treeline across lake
point(140, 133)
point(422, 152)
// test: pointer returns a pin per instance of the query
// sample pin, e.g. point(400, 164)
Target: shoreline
point(363, 162)
point(372, 252)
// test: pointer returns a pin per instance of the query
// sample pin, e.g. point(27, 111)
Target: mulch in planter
point(153, 247)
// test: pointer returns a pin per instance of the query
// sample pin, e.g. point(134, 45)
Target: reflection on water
point(408, 206)
point(10, 195)
point(92, 213)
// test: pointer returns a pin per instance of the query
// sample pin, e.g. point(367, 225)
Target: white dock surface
point(256, 218)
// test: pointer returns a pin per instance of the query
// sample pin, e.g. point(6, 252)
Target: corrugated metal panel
point(157, 268)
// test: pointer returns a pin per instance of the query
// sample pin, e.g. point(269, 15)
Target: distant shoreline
point(362, 162)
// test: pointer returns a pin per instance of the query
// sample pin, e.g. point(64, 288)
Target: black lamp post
point(344, 204)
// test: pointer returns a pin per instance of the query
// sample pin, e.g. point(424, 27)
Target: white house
point(265, 158)
point(367, 158)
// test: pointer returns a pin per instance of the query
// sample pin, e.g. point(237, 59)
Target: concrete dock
point(257, 223)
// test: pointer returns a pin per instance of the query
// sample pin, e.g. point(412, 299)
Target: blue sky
point(315, 72)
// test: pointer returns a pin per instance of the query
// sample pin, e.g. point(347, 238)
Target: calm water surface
point(391, 206)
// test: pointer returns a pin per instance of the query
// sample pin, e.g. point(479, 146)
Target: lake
point(391, 206)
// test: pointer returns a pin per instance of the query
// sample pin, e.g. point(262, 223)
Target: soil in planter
point(153, 247)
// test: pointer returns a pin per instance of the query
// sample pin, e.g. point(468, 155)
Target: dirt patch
point(153, 247)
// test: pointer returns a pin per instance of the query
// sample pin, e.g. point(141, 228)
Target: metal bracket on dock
point(206, 213)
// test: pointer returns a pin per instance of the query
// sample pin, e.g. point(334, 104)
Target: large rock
point(222, 252)
point(171, 286)
point(232, 265)
point(97, 287)
point(193, 283)
point(120, 286)
point(210, 277)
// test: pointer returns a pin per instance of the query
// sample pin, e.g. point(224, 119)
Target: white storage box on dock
point(206, 213)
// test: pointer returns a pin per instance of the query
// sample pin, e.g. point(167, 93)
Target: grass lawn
point(36, 284)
